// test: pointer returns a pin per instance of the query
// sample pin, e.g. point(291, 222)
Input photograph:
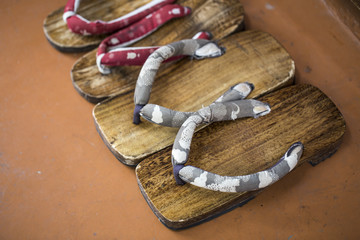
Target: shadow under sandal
point(71, 31)
point(221, 18)
point(251, 56)
point(231, 161)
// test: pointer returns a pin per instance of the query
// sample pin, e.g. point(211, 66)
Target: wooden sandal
point(221, 18)
point(69, 30)
point(303, 123)
point(251, 56)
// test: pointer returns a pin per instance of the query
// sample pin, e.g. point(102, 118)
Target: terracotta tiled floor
point(59, 181)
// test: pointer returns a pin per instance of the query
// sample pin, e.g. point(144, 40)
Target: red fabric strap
point(137, 56)
point(134, 56)
point(144, 27)
point(80, 25)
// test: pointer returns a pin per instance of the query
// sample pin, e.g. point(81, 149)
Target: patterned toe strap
point(135, 56)
point(251, 182)
point(143, 28)
point(214, 113)
point(80, 25)
point(197, 48)
point(237, 92)
point(171, 118)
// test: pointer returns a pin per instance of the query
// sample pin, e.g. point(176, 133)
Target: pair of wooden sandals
point(230, 161)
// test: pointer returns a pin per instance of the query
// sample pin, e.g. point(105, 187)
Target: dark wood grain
point(251, 56)
point(60, 36)
point(220, 17)
point(299, 113)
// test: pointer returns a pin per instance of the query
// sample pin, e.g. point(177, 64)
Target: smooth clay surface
point(59, 181)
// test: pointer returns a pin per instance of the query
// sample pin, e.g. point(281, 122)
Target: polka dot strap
point(80, 25)
point(138, 31)
point(136, 56)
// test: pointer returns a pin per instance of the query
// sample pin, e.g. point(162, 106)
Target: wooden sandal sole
point(220, 18)
point(298, 113)
point(251, 56)
point(60, 36)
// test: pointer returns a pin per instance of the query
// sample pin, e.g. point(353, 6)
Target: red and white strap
point(135, 56)
point(144, 27)
point(80, 25)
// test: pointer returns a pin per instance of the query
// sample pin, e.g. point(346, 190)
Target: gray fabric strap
point(213, 113)
point(251, 182)
point(230, 106)
point(197, 48)
point(171, 118)
point(227, 108)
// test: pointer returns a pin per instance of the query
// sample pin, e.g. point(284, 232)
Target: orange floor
point(59, 181)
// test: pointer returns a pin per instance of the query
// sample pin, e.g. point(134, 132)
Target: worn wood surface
point(218, 17)
point(348, 11)
point(251, 56)
point(59, 35)
point(299, 113)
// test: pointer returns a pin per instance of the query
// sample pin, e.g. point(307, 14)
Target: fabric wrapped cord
point(80, 25)
point(190, 47)
point(133, 56)
point(236, 184)
point(171, 118)
point(143, 28)
point(231, 109)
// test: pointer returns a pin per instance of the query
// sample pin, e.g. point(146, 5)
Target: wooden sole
point(59, 35)
point(251, 56)
point(298, 113)
point(221, 18)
